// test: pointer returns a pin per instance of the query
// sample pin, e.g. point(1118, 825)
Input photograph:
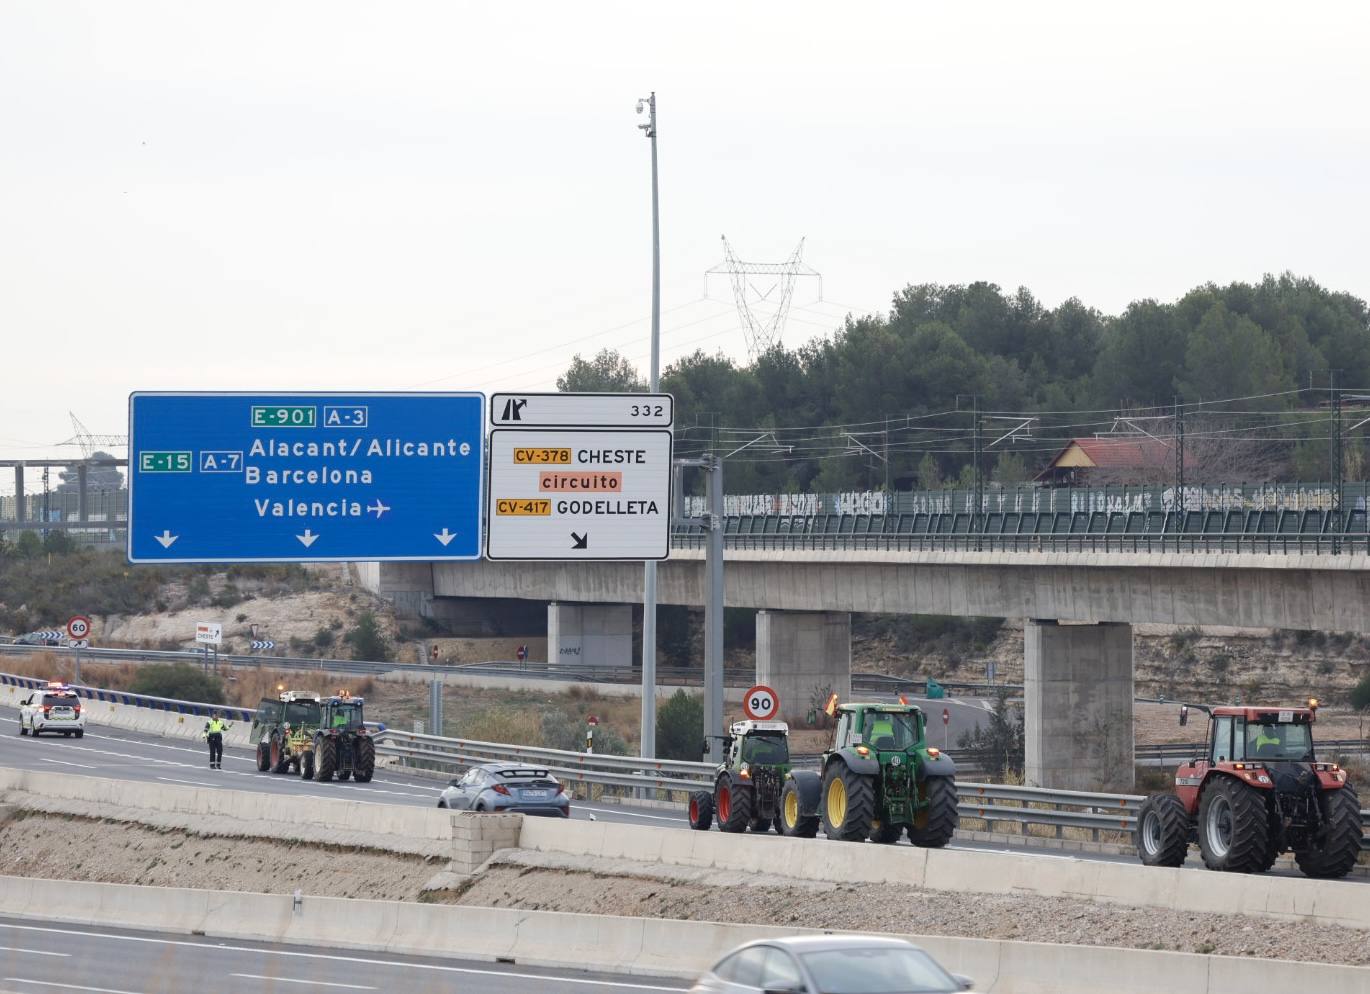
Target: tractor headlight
point(1262, 779)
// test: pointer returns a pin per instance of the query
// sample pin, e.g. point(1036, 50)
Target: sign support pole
point(648, 731)
point(713, 613)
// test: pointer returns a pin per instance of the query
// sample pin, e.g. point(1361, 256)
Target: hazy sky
point(455, 195)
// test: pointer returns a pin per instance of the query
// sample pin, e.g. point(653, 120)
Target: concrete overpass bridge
point(1080, 578)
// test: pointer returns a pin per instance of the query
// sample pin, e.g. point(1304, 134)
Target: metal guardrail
point(134, 700)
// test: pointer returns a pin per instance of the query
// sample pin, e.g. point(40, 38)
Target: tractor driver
point(1268, 740)
point(881, 728)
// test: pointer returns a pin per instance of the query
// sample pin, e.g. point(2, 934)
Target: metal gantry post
point(648, 730)
point(1179, 475)
point(1338, 464)
point(713, 613)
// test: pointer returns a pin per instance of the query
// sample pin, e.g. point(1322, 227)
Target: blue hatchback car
point(504, 787)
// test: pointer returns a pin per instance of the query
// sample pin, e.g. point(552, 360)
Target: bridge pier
point(1078, 689)
point(590, 635)
point(798, 652)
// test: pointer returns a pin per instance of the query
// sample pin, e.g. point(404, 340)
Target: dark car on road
point(505, 787)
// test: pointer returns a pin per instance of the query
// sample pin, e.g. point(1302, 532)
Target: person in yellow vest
point(214, 735)
point(1268, 742)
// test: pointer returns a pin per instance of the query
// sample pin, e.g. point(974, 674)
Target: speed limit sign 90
point(760, 703)
point(78, 628)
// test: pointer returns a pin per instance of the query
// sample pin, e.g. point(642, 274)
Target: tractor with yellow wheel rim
point(747, 783)
point(879, 780)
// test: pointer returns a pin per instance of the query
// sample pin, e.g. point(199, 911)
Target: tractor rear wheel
point(1162, 834)
point(792, 822)
point(1234, 829)
point(263, 757)
point(701, 810)
point(365, 751)
point(325, 760)
point(885, 833)
point(733, 803)
point(1337, 846)
point(935, 823)
point(848, 803)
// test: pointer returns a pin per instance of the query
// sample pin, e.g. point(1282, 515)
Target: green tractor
point(879, 779)
point(342, 745)
point(747, 784)
point(283, 731)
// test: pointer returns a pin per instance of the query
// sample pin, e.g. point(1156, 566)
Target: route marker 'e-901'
point(305, 477)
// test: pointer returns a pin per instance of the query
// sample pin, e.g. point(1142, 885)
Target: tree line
point(873, 397)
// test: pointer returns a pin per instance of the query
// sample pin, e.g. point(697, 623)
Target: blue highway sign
point(305, 477)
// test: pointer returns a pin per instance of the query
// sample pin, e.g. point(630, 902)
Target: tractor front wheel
point(1162, 834)
point(760, 824)
point(263, 757)
point(935, 823)
point(848, 803)
point(366, 760)
point(793, 822)
point(307, 765)
point(701, 810)
point(1234, 829)
point(325, 759)
point(1337, 845)
point(733, 803)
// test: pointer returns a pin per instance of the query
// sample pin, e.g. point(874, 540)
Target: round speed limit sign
point(760, 703)
point(78, 628)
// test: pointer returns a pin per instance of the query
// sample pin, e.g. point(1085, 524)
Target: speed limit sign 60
point(760, 703)
point(78, 628)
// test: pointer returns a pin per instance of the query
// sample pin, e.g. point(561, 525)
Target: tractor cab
point(879, 728)
point(342, 713)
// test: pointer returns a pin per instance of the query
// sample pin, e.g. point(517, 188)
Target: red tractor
point(1257, 792)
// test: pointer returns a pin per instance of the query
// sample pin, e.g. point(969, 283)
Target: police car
point(55, 708)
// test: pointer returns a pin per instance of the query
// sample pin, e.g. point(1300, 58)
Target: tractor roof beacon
point(747, 784)
point(1256, 790)
point(879, 779)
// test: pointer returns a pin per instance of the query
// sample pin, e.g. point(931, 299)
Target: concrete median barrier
point(1327, 902)
point(634, 946)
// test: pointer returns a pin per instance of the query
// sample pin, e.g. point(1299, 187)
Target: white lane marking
point(193, 783)
point(615, 810)
point(333, 958)
point(68, 987)
point(32, 952)
point(311, 983)
point(62, 762)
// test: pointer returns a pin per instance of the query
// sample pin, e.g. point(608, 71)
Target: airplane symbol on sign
point(377, 508)
point(512, 408)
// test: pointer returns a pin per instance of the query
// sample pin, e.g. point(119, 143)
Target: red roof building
point(1125, 459)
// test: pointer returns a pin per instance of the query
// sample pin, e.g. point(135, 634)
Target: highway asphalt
point(40, 958)
point(126, 755)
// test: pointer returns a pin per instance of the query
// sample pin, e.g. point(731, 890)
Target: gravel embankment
point(892, 908)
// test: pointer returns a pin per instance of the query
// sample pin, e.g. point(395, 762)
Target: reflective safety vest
point(216, 726)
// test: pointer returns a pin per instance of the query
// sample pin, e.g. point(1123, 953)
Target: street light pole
point(648, 748)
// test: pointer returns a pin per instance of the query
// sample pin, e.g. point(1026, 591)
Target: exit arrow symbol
point(308, 538)
point(444, 536)
point(166, 538)
point(582, 541)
